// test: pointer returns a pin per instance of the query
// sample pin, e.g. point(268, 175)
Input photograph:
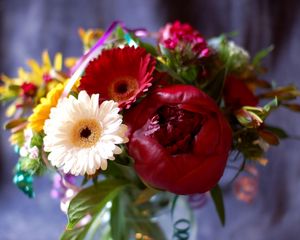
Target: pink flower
point(181, 36)
point(29, 89)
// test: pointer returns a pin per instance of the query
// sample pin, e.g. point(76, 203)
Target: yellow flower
point(89, 37)
point(39, 72)
point(41, 112)
point(17, 138)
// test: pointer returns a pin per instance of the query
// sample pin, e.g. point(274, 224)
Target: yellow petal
point(46, 61)
point(58, 62)
point(34, 66)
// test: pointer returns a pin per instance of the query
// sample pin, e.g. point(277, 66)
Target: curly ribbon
point(181, 227)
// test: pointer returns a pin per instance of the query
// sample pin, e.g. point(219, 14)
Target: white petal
point(58, 129)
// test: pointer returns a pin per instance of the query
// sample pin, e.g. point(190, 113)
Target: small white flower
point(81, 135)
point(24, 151)
point(237, 50)
point(28, 134)
point(33, 152)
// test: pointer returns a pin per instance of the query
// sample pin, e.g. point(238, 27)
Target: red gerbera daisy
point(119, 74)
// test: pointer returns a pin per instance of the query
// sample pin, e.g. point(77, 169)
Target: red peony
point(180, 35)
point(237, 94)
point(179, 139)
point(119, 74)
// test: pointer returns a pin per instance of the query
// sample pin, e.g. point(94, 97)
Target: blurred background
point(30, 26)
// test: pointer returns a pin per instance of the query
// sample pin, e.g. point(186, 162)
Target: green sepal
point(189, 74)
point(120, 34)
point(217, 196)
point(37, 140)
point(271, 105)
point(256, 62)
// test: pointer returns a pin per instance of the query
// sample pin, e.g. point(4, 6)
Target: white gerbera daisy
point(81, 135)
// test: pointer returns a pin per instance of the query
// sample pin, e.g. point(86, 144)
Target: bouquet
point(140, 121)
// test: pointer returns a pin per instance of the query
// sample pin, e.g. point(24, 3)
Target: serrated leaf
point(217, 196)
point(93, 199)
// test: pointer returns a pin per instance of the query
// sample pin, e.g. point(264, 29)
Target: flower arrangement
point(136, 122)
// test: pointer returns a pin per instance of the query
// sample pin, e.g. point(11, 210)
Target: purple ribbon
point(98, 44)
point(82, 63)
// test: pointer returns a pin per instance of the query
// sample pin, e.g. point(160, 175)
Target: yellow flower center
point(123, 88)
point(86, 133)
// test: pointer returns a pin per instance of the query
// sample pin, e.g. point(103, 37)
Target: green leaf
point(189, 74)
point(119, 228)
point(278, 131)
point(292, 106)
point(216, 194)
point(76, 233)
point(14, 123)
point(261, 55)
point(149, 48)
point(93, 199)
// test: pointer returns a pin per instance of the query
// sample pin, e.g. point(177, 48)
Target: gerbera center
point(86, 133)
point(123, 88)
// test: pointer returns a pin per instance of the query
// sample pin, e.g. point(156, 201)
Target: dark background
point(27, 27)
